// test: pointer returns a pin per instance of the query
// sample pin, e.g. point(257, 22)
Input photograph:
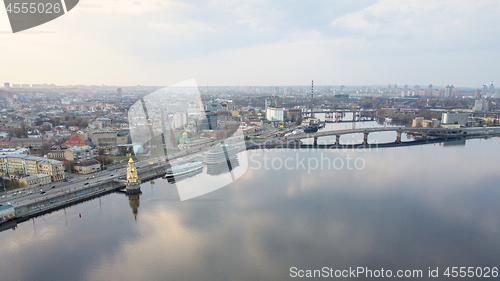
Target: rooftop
point(17, 155)
point(87, 163)
point(6, 207)
point(50, 161)
point(74, 141)
point(33, 158)
point(78, 148)
point(37, 176)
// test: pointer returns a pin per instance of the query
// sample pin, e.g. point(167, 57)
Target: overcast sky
point(259, 42)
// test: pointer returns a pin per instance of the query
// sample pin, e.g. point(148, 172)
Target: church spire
point(132, 177)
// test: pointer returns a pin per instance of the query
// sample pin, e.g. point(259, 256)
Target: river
point(403, 208)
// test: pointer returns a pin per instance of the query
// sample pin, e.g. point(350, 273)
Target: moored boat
point(183, 169)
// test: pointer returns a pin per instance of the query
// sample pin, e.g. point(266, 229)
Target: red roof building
point(75, 142)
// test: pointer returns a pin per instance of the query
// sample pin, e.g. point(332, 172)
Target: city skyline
point(266, 43)
point(319, 87)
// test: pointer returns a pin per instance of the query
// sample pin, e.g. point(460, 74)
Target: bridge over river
point(423, 132)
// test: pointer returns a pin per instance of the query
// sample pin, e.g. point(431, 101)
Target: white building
point(481, 105)
point(455, 118)
point(79, 153)
point(448, 92)
point(180, 119)
point(274, 114)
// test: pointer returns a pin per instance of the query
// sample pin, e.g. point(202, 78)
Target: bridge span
point(424, 132)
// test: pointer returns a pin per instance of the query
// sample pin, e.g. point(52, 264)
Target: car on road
point(31, 192)
point(53, 186)
point(111, 175)
point(86, 183)
point(3, 196)
point(42, 192)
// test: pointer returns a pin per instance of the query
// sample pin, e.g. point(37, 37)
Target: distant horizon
point(410, 86)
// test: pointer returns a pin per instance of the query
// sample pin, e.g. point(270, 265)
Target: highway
point(26, 195)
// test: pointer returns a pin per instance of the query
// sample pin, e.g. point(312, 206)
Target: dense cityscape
point(50, 133)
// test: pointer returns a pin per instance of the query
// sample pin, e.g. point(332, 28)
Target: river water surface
point(403, 208)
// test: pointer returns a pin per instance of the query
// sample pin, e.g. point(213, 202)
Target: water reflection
point(458, 142)
point(175, 179)
point(134, 202)
point(222, 167)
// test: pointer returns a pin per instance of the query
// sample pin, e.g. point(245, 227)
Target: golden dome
point(130, 161)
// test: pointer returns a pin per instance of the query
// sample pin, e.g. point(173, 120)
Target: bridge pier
point(398, 136)
point(337, 139)
point(365, 138)
point(315, 143)
point(424, 135)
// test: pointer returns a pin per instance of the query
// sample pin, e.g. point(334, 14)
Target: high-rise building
point(492, 89)
point(405, 91)
point(275, 90)
point(180, 120)
point(429, 91)
point(448, 92)
point(484, 92)
point(6, 86)
point(481, 105)
point(416, 90)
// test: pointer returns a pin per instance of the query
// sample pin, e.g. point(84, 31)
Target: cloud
point(236, 42)
point(432, 20)
point(125, 6)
